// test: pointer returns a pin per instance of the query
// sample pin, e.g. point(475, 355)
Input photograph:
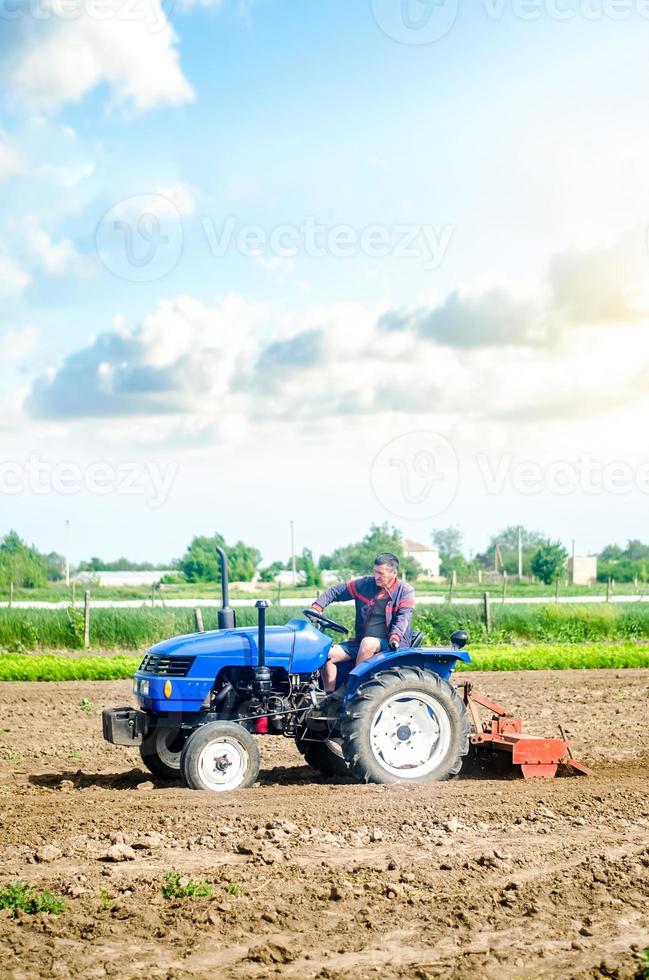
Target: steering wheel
point(323, 623)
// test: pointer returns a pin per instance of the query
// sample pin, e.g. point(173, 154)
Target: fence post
point(487, 612)
point(609, 589)
point(198, 615)
point(450, 591)
point(74, 590)
point(11, 594)
point(504, 587)
point(479, 576)
point(86, 620)
point(556, 590)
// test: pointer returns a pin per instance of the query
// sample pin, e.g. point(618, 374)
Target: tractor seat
point(417, 640)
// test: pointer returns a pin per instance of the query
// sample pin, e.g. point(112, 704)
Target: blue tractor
point(202, 698)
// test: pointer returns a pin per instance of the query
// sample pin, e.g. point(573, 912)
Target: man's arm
point(402, 617)
point(336, 593)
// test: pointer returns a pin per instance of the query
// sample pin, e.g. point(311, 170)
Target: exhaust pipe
point(227, 616)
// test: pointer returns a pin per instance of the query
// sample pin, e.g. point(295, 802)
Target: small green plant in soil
point(19, 896)
point(173, 887)
point(12, 756)
point(87, 705)
point(105, 900)
point(234, 888)
point(642, 973)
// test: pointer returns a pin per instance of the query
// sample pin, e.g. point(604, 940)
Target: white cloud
point(10, 164)
point(13, 279)
point(55, 258)
point(181, 197)
point(17, 344)
point(131, 49)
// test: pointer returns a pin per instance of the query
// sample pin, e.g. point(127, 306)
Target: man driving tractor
point(384, 607)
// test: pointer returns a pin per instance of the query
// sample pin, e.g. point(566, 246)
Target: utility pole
point(67, 553)
point(520, 553)
point(293, 562)
point(573, 561)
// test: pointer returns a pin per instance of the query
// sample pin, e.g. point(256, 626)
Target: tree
point(270, 573)
point(200, 562)
point(612, 552)
point(449, 542)
point(306, 564)
point(358, 558)
point(21, 564)
point(507, 542)
point(636, 550)
point(549, 560)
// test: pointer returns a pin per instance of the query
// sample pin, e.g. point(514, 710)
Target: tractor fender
point(440, 662)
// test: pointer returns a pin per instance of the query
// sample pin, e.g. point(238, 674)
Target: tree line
point(542, 558)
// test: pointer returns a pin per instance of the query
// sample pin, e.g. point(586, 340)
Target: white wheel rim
point(410, 734)
point(223, 764)
point(165, 738)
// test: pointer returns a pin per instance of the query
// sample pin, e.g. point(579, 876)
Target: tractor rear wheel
point(160, 751)
point(405, 725)
point(325, 756)
point(220, 756)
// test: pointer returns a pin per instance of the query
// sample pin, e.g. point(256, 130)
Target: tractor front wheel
point(160, 751)
point(405, 725)
point(220, 756)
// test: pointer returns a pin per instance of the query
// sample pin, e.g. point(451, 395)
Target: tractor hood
point(178, 674)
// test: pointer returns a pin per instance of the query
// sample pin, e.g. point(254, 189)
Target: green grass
point(22, 630)
point(19, 896)
point(59, 592)
point(173, 887)
point(528, 656)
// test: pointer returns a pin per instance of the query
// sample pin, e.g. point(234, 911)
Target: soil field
point(480, 877)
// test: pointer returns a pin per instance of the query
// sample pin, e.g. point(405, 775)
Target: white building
point(123, 578)
point(584, 569)
point(426, 555)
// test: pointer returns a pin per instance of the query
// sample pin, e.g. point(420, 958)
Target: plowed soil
point(485, 876)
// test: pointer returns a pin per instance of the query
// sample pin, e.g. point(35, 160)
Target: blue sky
point(501, 168)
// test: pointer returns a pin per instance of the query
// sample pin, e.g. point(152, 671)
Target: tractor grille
point(167, 666)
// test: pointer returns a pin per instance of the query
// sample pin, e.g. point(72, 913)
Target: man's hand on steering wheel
point(315, 616)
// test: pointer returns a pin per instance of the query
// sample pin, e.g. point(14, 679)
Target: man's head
point(386, 569)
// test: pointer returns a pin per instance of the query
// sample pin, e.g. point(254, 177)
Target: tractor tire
point(405, 725)
point(160, 751)
point(323, 756)
point(219, 757)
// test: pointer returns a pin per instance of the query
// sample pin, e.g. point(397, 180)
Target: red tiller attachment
point(538, 757)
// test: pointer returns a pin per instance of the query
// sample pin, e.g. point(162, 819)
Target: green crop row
point(565, 656)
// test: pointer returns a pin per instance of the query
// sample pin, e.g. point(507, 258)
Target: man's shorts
point(351, 647)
